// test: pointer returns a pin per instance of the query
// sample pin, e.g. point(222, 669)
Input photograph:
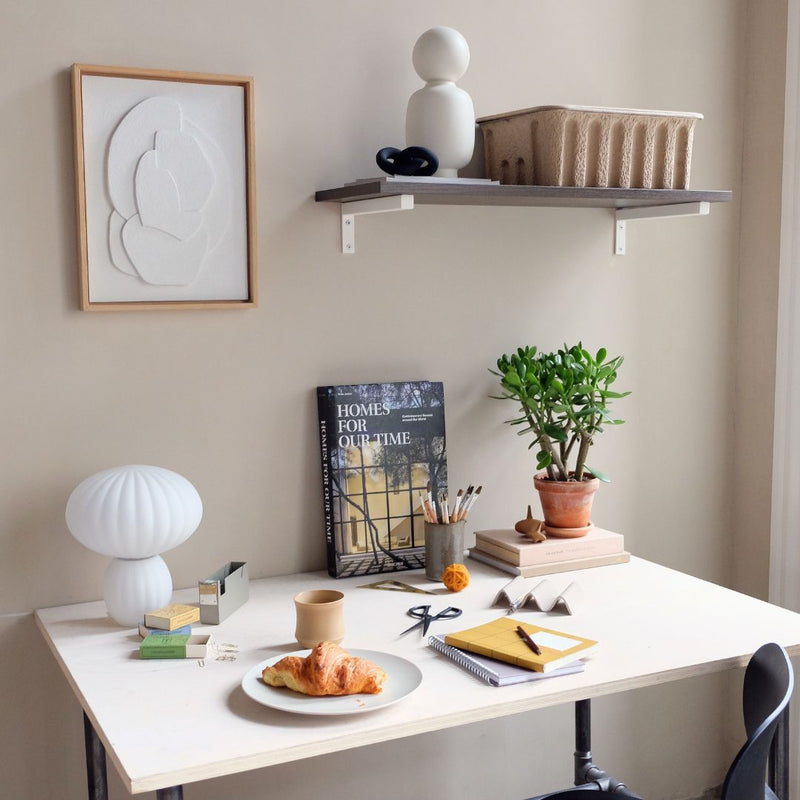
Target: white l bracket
point(377, 205)
point(652, 212)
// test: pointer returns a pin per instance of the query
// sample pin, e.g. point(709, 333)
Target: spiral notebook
point(497, 673)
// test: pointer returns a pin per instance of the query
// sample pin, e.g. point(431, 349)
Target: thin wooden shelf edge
point(384, 194)
point(488, 194)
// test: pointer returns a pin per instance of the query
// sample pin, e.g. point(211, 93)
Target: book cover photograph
point(382, 446)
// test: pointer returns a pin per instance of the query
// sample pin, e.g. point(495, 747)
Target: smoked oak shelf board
point(493, 194)
point(380, 194)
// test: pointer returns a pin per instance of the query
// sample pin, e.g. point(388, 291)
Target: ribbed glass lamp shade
point(134, 587)
point(133, 511)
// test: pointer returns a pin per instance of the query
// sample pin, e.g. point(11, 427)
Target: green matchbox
point(177, 646)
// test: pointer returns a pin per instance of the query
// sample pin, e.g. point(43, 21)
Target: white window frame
point(784, 574)
point(784, 571)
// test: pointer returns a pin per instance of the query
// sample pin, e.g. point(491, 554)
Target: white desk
point(167, 723)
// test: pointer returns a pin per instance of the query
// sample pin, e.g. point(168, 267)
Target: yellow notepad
point(499, 639)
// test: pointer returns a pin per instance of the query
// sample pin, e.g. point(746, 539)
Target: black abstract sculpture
point(411, 161)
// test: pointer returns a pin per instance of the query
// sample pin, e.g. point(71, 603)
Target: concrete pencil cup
point(444, 545)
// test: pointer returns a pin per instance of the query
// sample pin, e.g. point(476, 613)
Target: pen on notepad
point(528, 641)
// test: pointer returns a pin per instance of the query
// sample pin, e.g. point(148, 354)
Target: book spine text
point(326, 432)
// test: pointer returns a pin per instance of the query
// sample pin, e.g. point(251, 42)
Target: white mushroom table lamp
point(133, 513)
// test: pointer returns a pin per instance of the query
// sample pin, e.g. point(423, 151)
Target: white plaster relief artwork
point(170, 188)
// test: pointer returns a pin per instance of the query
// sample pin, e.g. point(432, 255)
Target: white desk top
point(166, 723)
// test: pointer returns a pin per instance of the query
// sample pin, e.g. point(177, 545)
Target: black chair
point(758, 767)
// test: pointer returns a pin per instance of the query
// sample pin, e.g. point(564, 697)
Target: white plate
point(403, 678)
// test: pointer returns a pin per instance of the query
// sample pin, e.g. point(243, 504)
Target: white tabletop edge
point(81, 639)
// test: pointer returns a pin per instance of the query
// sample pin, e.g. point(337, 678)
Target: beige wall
point(226, 397)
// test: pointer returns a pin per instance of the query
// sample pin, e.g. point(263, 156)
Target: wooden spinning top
point(532, 528)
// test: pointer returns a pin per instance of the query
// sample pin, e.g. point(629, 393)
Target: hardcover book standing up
point(381, 444)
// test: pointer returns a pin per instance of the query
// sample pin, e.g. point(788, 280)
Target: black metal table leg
point(583, 740)
point(587, 773)
point(95, 762)
point(170, 793)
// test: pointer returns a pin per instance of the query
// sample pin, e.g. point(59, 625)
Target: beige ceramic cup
point(320, 617)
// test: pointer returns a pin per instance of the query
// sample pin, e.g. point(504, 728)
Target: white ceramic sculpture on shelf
point(440, 115)
point(133, 513)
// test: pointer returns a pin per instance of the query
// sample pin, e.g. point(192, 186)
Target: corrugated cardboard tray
point(590, 146)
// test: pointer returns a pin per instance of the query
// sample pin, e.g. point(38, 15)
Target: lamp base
point(134, 586)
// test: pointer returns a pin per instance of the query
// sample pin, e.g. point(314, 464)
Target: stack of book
point(167, 633)
point(172, 620)
point(514, 553)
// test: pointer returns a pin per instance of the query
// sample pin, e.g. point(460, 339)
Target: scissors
point(423, 614)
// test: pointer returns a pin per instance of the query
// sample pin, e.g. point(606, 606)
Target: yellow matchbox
point(172, 616)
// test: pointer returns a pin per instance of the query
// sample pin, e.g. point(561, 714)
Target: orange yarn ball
point(455, 577)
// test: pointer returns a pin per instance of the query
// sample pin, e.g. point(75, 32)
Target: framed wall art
point(165, 189)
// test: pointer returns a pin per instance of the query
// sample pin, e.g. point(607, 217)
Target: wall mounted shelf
point(389, 194)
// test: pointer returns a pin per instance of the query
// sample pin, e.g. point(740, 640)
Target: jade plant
point(564, 399)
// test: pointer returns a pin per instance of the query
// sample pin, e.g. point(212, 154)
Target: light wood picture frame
point(165, 189)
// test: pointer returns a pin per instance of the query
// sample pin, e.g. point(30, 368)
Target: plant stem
point(547, 445)
point(586, 443)
point(569, 447)
point(583, 452)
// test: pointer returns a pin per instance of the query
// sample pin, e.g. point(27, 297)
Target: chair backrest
point(768, 684)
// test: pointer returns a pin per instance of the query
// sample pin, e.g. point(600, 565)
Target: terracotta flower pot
point(566, 504)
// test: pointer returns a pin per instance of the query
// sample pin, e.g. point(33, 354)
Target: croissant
point(326, 670)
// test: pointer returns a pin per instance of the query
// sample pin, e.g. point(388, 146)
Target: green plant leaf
point(556, 433)
point(599, 475)
point(532, 381)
